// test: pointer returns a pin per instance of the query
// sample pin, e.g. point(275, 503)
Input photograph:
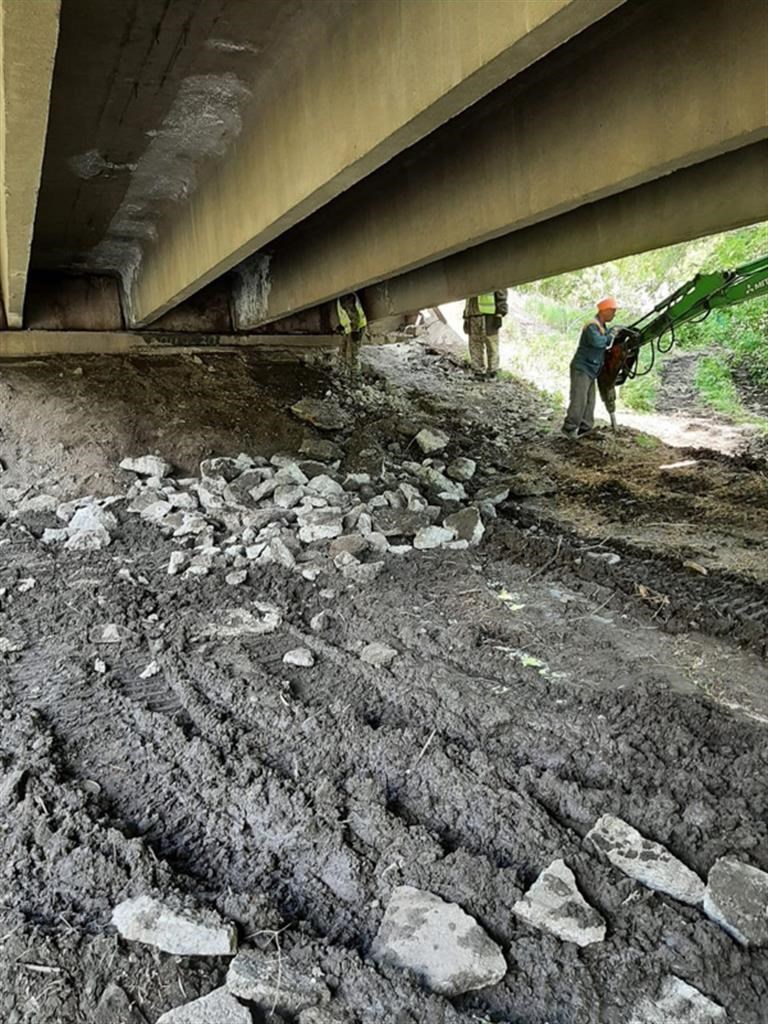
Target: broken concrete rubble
point(438, 941)
point(677, 1003)
point(466, 525)
point(179, 931)
point(430, 441)
point(274, 984)
point(648, 862)
point(378, 653)
point(433, 537)
point(147, 465)
point(301, 657)
point(555, 904)
point(218, 1007)
point(736, 898)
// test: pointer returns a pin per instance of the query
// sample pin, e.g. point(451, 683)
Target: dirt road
point(601, 651)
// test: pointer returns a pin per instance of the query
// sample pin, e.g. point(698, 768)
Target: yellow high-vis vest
point(354, 323)
point(486, 303)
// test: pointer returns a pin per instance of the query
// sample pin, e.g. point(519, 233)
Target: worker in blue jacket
point(596, 338)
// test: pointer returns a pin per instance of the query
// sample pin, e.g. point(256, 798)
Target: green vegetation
point(734, 339)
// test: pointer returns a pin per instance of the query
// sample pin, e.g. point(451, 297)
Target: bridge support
point(28, 36)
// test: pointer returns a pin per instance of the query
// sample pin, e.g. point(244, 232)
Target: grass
point(715, 385)
point(647, 441)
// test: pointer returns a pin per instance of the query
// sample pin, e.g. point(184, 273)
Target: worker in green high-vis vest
point(350, 323)
point(482, 320)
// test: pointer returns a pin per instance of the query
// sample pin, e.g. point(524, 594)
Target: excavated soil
point(537, 686)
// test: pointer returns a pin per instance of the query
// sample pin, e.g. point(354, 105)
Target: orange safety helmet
point(607, 303)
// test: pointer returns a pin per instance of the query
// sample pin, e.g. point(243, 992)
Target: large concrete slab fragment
point(28, 37)
point(555, 904)
point(523, 157)
point(182, 932)
point(218, 1007)
point(341, 94)
point(644, 860)
point(677, 1003)
point(436, 940)
point(736, 898)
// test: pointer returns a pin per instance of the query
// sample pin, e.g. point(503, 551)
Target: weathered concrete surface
point(677, 1003)
point(28, 37)
point(555, 904)
point(528, 153)
point(68, 302)
point(736, 898)
point(717, 195)
point(274, 985)
point(23, 344)
point(641, 858)
point(182, 932)
point(437, 941)
point(218, 1007)
point(353, 107)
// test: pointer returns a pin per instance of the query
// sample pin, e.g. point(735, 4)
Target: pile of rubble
point(446, 948)
point(297, 511)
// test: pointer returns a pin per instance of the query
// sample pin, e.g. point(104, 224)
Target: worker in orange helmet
point(586, 365)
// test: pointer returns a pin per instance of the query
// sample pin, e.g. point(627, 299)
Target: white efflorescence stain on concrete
point(202, 123)
point(232, 46)
point(252, 285)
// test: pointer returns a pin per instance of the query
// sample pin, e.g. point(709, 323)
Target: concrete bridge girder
point(347, 96)
point(28, 38)
point(688, 82)
point(727, 192)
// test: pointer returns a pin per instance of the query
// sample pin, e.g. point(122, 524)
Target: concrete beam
point(275, 347)
point(674, 85)
point(717, 195)
point(347, 87)
point(28, 36)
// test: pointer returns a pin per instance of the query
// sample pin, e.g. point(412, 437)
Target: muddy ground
point(538, 686)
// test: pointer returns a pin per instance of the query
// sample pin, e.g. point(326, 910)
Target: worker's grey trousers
point(482, 347)
point(581, 408)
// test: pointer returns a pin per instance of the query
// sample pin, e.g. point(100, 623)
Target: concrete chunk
point(645, 860)
point(438, 941)
point(218, 1007)
point(736, 898)
point(555, 904)
point(182, 932)
point(271, 982)
point(377, 653)
point(432, 537)
point(147, 465)
point(301, 657)
point(461, 469)
point(430, 441)
point(677, 1003)
point(466, 525)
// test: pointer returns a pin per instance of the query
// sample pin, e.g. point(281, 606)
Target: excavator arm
point(693, 302)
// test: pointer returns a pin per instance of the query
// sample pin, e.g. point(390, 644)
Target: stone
point(234, 622)
point(430, 441)
point(555, 904)
point(362, 572)
point(319, 448)
point(528, 485)
point(398, 522)
point(677, 1003)
point(323, 1015)
point(147, 465)
point(321, 414)
point(437, 941)
point(218, 1007)
point(279, 553)
point(88, 540)
point(114, 1005)
point(439, 484)
point(466, 525)
point(181, 932)
point(736, 898)
point(494, 495)
point(377, 653)
point(264, 489)
point(236, 578)
point(400, 549)
point(152, 669)
point(432, 537)
point(182, 500)
point(99, 666)
point(644, 860)
point(287, 495)
point(354, 543)
point(301, 657)
point(290, 474)
point(177, 562)
point(92, 517)
point(112, 633)
point(461, 469)
point(192, 524)
point(156, 511)
point(325, 486)
point(219, 472)
point(377, 542)
point(67, 509)
point(320, 524)
point(354, 481)
point(320, 622)
point(273, 982)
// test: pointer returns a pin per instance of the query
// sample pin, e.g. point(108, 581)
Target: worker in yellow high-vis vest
point(482, 320)
point(350, 323)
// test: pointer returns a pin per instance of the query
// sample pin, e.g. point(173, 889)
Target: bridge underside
point(225, 169)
